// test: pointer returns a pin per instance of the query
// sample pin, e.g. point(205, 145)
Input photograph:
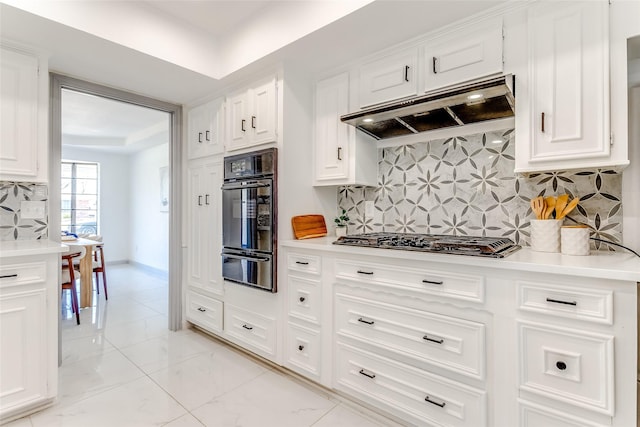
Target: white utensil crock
point(574, 240)
point(545, 235)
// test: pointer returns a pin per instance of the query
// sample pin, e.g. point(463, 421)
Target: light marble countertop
point(604, 265)
point(11, 248)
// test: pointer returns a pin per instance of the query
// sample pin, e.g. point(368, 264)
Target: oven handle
point(243, 185)
point(249, 257)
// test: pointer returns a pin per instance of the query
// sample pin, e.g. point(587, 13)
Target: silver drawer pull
point(433, 402)
point(201, 310)
point(365, 320)
point(367, 374)
point(365, 272)
point(558, 301)
point(8, 276)
point(435, 340)
point(433, 282)
point(302, 262)
point(247, 327)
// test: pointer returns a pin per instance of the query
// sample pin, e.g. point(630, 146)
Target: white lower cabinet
point(29, 333)
point(204, 311)
point(412, 394)
point(303, 350)
point(255, 331)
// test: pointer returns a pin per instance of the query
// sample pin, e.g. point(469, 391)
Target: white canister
point(341, 230)
point(545, 235)
point(575, 240)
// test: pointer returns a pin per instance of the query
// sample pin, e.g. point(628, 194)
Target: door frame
point(58, 82)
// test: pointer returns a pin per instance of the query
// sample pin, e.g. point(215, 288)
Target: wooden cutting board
point(308, 226)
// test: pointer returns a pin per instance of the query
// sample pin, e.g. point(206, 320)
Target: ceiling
point(97, 123)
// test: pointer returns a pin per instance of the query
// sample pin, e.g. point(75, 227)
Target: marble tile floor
point(122, 367)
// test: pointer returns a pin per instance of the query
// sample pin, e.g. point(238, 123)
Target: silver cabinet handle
point(247, 327)
point(206, 199)
point(339, 153)
point(253, 122)
point(406, 73)
point(201, 310)
point(365, 272)
point(302, 262)
point(206, 135)
point(199, 200)
point(433, 62)
point(242, 125)
point(200, 137)
point(433, 282)
point(542, 122)
point(8, 276)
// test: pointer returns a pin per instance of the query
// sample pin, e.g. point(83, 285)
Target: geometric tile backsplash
point(465, 185)
point(12, 226)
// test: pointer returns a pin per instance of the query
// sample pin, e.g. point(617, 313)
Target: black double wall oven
point(249, 224)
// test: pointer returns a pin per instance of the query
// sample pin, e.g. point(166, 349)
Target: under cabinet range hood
point(455, 106)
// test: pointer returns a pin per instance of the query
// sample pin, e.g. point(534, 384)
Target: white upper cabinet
point(391, 77)
point(342, 156)
point(23, 142)
point(463, 55)
point(206, 129)
point(568, 89)
point(253, 115)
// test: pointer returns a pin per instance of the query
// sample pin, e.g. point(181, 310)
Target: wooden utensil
point(570, 206)
point(308, 226)
point(550, 204)
point(537, 206)
point(561, 203)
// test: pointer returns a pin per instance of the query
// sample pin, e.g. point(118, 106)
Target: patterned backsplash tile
point(12, 226)
point(465, 185)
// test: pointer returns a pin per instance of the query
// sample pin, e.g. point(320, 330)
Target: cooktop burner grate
point(493, 247)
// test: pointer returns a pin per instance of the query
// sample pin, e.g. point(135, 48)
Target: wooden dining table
point(86, 270)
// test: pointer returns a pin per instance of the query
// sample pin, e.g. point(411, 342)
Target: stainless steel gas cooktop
point(492, 247)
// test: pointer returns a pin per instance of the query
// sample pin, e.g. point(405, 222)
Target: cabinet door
point(569, 117)
point(205, 129)
point(389, 78)
point(473, 53)
point(237, 121)
point(19, 118)
point(331, 135)
point(263, 118)
point(212, 226)
point(204, 264)
point(23, 348)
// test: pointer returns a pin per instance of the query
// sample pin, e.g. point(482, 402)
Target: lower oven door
point(251, 269)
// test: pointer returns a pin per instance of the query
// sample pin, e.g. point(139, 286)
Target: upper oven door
point(247, 214)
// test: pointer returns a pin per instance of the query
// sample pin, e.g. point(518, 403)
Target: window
point(79, 197)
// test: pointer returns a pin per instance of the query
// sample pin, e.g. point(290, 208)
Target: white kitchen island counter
point(30, 247)
point(603, 265)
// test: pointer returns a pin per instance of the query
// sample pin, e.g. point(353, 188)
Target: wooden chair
point(98, 267)
point(69, 275)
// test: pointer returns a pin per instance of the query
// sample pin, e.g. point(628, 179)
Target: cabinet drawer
point(410, 393)
point(303, 351)
point(414, 281)
point(567, 365)
point(591, 305)
point(536, 416)
point(305, 263)
point(305, 299)
point(448, 342)
point(253, 329)
point(22, 274)
point(204, 311)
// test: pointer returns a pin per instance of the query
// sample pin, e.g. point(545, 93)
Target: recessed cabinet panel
point(532, 415)
point(389, 78)
point(466, 54)
point(303, 350)
point(305, 299)
point(569, 90)
point(256, 331)
point(205, 129)
point(568, 365)
point(204, 311)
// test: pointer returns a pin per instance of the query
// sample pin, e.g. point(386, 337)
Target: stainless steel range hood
point(456, 106)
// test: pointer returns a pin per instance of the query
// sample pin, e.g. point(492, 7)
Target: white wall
point(114, 198)
point(149, 227)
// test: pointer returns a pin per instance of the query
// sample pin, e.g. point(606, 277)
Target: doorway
point(63, 84)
